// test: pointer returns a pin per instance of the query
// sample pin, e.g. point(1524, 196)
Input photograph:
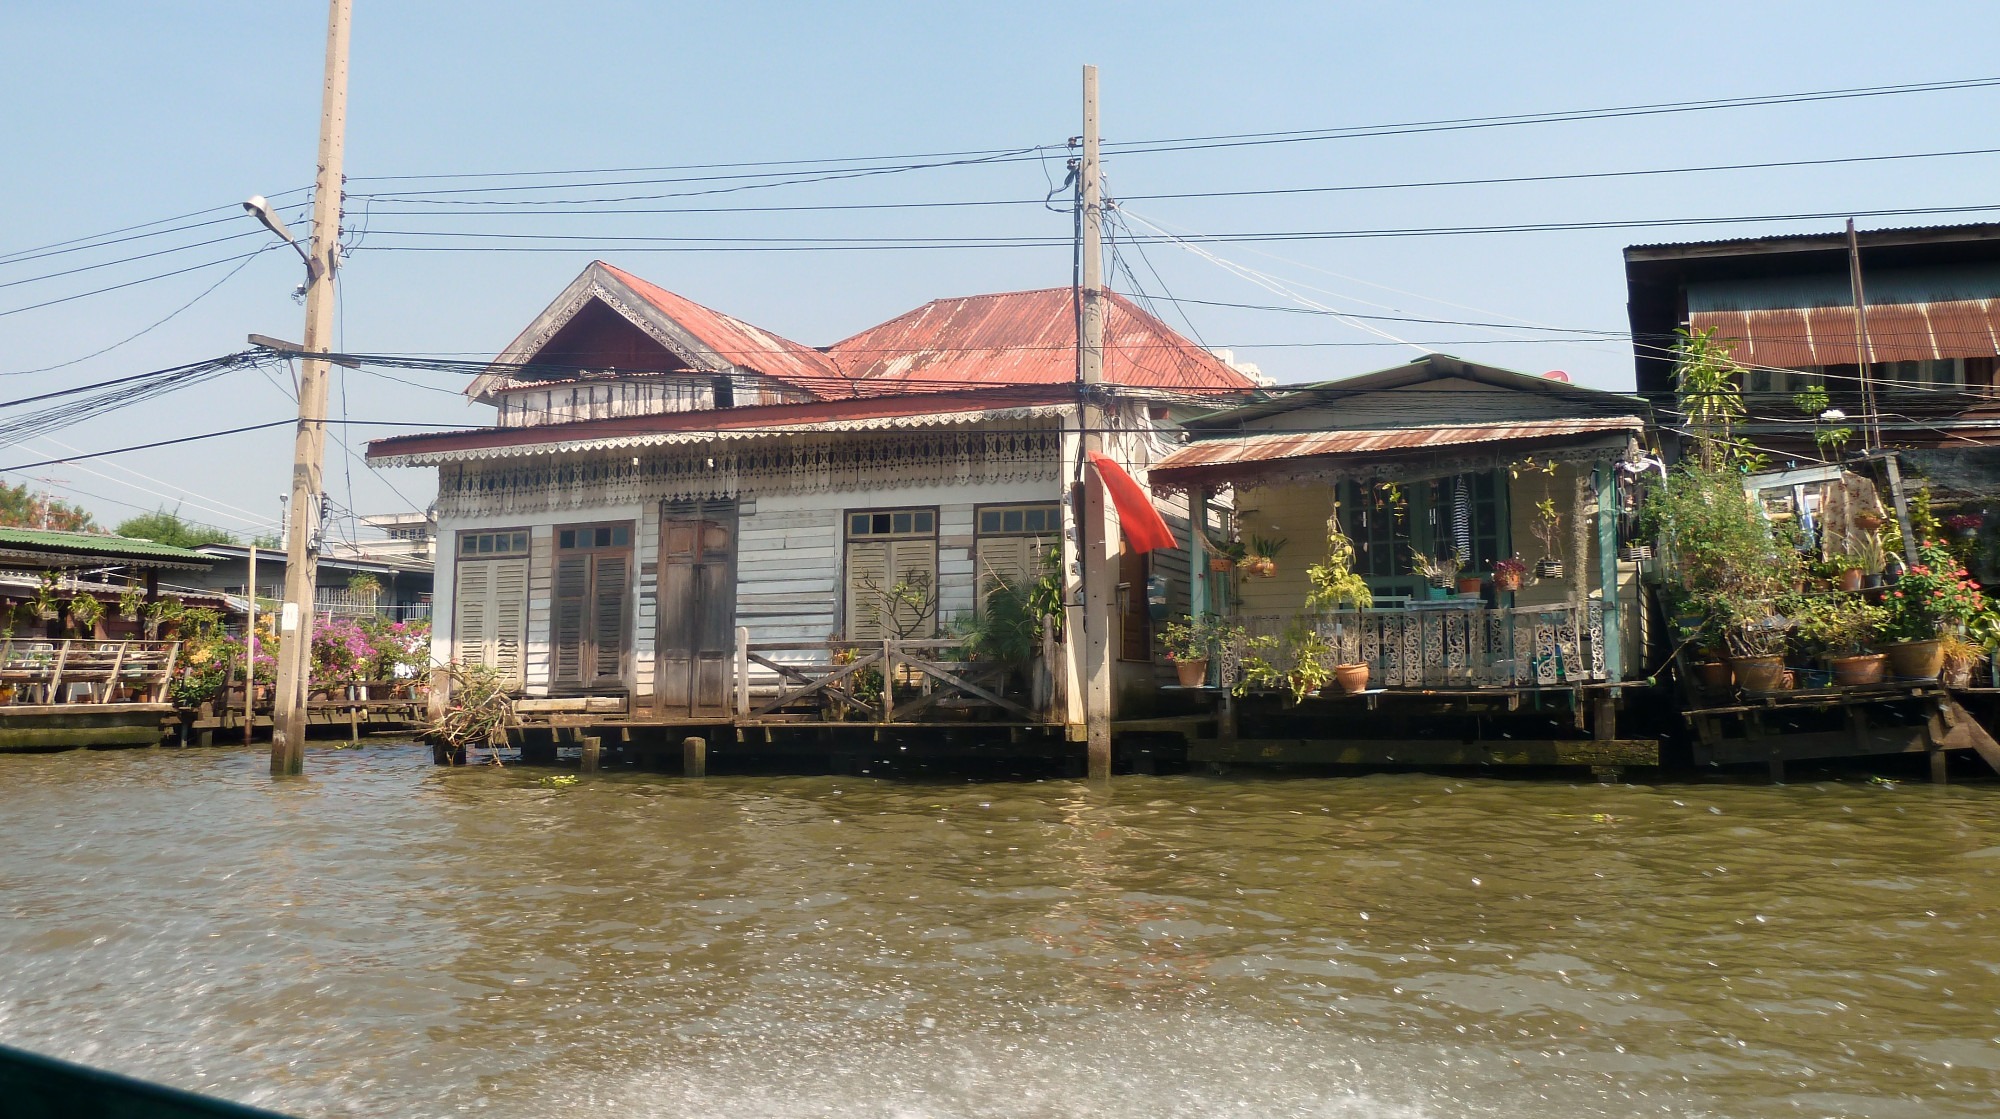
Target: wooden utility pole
point(1097, 534)
point(1871, 419)
point(288, 716)
point(250, 654)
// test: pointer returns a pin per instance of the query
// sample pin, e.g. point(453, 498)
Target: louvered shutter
point(1013, 560)
point(572, 592)
point(470, 611)
point(867, 577)
point(509, 614)
point(914, 562)
point(608, 615)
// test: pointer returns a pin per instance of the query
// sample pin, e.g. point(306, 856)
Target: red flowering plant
point(341, 652)
point(1931, 595)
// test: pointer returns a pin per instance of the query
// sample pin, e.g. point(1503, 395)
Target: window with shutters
point(591, 627)
point(891, 573)
point(1011, 542)
point(490, 604)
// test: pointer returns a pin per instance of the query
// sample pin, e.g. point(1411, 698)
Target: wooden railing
point(46, 671)
point(892, 680)
point(1447, 645)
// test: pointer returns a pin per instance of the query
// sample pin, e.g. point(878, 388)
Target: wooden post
point(1099, 577)
point(203, 714)
point(888, 678)
point(742, 672)
point(592, 747)
point(250, 653)
point(288, 717)
point(694, 757)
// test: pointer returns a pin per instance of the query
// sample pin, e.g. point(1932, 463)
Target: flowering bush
point(1929, 596)
point(1962, 522)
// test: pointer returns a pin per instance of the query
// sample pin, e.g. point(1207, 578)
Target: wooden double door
point(696, 644)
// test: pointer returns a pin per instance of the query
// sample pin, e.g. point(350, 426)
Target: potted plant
point(1868, 556)
point(1263, 558)
point(1839, 627)
point(1965, 525)
point(1301, 667)
point(1547, 528)
point(1931, 595)
point(1470, 586)
point(1755, 640)
point(1844, 571)
point(1440, 571)
point(1190, 642)
point(1870, 520)
point(1335, 584)
point(1508, 574)
point(1225, 557)
point(84, 610)
point(1961, 658)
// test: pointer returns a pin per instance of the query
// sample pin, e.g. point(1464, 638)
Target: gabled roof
point(704, 338)
point(1025, 337)
point(1430, 367)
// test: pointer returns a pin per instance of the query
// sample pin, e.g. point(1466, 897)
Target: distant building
point(404, 584)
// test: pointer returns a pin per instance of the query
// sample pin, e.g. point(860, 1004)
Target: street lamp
point(262, 211)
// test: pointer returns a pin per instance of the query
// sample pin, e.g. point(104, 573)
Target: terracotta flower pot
point(1869, 521)
point(1220, 563)
point(1958, 674)
point(1915, 660)
point(1859, 670)
point(1506, 580)
point(1351, 678)
point(1470, 584)
point(1850, 579)
point(1759, 674)
point(1192, 673)
point(1714, 674)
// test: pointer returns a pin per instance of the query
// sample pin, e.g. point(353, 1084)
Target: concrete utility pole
point(1098, 535)
point(250, 653)
point(288, 717)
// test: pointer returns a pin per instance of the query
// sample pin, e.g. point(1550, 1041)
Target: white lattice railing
point(1448, 646)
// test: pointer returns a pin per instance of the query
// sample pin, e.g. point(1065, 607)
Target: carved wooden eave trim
point(640, 440)
point(596, 282)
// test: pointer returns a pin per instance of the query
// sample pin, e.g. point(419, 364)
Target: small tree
point(164, 527)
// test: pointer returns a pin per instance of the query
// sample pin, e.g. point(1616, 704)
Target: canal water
point(386, 938)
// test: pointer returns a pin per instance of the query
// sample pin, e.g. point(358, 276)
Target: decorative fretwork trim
point(794, 464)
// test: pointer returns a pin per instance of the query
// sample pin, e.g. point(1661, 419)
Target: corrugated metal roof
point(95, 544)
point(1868, 238)
point(1026, 337)
point(737, 341)
point(1798, 336)
point(1277, 446)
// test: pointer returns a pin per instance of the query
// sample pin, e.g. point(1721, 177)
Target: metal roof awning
point(1387, 453)
point(1791, 337)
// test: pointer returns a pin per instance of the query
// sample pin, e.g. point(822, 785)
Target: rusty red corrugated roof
point(1274, 446)
point(1798, 336)
point(1025, 337)
point(740, 343)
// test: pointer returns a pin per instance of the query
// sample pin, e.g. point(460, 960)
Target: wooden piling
point(592, 746)
point(694, 757)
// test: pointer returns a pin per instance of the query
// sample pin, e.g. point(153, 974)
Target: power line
point(170, 316)
point(128, 283)
point(19, 254)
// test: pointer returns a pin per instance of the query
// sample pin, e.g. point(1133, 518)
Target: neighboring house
point(102, 566)
point(1785, 306)
point(1438, 456)
point(391, 537)
point(662, 473)
point(404, 585)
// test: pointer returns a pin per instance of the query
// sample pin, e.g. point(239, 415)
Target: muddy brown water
point(386, 938)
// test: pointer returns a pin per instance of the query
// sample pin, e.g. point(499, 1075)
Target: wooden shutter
point(1013, 560)
point(470, 611)
point(867, 575)
point(572, 593)
point(608, 627)
point(509, 614)
point(914, 562)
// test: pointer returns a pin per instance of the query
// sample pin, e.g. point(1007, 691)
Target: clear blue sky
point(124, 113)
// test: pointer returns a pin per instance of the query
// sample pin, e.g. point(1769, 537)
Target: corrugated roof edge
point(50, 540)
point(1904, 234)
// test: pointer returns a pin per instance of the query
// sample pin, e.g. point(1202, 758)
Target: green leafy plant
point(131, 600)
point(1195, 639)
point(84, 610)
point(1931, 595)
point(1302, 662)
point(1440, 570)
point(1868, 554)
point(364, 588)
point(1547, 526)
point(1334, 581)
point(1835, 624)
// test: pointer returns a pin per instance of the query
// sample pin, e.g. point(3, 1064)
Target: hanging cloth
point(1461, 520)
point(1142, 524)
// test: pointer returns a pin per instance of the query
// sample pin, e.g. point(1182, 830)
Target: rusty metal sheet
point(1792, 337)
point(1277, 446)
point(1025, 337)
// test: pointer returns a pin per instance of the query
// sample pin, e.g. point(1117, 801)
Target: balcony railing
point(1448, 645)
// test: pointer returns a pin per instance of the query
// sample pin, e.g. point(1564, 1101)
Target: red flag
point(1144, 528)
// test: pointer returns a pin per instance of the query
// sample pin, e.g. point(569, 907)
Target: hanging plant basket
point(1549, 568)
point(1636, 553)
point(1220, 563)
point(1263, 567)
